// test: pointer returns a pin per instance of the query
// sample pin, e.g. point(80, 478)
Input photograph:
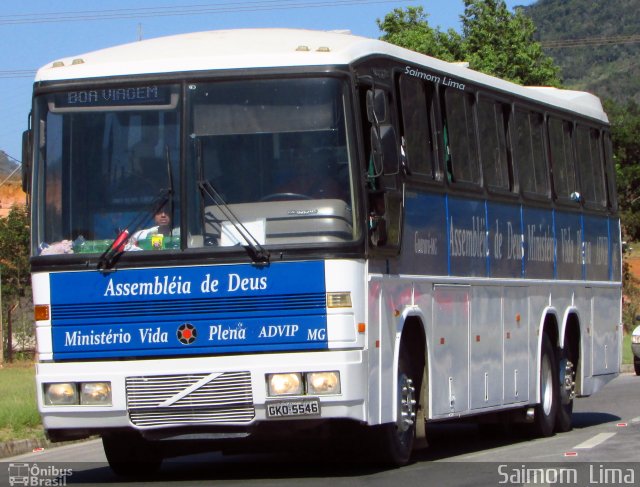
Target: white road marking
point(636, 420)
point(595, 441)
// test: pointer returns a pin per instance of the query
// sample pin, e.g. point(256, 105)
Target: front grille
point(161, 400)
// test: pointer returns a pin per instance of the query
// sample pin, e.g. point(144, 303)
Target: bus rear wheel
point(547, 410)
point(567, 390)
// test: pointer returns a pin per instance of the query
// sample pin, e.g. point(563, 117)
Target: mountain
point(601, 63)
point(7, 165)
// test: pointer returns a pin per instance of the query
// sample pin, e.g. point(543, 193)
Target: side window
point(529, 154)
point(562, 160)
point(591, 165)
point(460, 137)
point(492, 129)
point(417, 109)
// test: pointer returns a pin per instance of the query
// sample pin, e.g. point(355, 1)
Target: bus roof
point(266, 48)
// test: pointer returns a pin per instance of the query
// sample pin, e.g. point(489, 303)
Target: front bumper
point(222, 391)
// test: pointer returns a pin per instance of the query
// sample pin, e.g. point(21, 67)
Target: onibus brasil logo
point(36, 475)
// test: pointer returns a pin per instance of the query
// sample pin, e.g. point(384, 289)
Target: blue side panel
point(539, 245)
point(615, 273)
point(468, 237)
point(425, 238)
point(569, 245)
point(505, 240)
point(189, 310)
point(596, 248)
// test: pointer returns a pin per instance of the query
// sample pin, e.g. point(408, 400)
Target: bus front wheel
point(129, 454)
point(394, 441)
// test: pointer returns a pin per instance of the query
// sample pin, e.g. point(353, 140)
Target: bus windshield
point(275, 151)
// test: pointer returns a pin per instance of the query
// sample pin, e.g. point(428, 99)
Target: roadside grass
point(627, 354)
point(19, 417)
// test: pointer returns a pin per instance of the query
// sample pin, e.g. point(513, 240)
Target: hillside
point(608, 70)
point(11, 189)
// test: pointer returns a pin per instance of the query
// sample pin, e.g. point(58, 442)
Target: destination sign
point(114, 97)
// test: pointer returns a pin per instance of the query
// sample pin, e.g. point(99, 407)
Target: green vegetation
point(19, 417)
point(493, 41)
point(16, 279)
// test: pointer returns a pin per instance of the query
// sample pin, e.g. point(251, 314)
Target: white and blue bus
point(357, 240)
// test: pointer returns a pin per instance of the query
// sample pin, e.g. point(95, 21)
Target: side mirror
point(377, 106)
point(27, 153)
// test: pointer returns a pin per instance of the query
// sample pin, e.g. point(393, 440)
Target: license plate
point(295, 407)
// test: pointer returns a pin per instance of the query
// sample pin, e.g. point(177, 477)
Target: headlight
point(60, 394)
point(95, 393)
point(635, 338)
point(284, 384)
point(323, 382)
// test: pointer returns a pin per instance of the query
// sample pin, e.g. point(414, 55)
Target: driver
point(162, 228)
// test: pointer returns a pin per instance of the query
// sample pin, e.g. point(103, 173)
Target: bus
point(358, 240)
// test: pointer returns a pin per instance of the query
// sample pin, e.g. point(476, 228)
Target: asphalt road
point(606, 429)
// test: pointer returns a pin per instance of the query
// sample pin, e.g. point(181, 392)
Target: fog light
point(284, 384)
point(95, 393)
point(323, 382)
point(60, 394)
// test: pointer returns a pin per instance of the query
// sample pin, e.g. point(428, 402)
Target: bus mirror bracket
point(385, 219)
point(27, 137)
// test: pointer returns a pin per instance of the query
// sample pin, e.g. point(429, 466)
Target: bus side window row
point(483, 138)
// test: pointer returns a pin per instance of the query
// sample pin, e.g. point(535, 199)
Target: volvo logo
point(187, 334)
point(302, 212)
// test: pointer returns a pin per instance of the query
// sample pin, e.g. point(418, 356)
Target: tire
point(567, 368)
point(130, 455)
point(393, 442)
point(636, 366)
point(547, 410)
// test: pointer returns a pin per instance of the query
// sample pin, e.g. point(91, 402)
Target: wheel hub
point(407, 405)
point(569, 383)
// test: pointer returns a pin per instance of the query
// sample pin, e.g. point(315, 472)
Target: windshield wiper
point(256, 251)
point(110, 256)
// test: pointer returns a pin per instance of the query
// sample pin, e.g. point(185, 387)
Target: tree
point(14, 263)
point(625, 137)
point(410, 28)
point(493, 40)
point(14, 252)
point(502, 43)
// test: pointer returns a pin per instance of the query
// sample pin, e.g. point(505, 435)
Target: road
point(606, 429)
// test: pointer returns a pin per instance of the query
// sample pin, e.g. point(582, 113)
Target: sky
point(36, 32)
